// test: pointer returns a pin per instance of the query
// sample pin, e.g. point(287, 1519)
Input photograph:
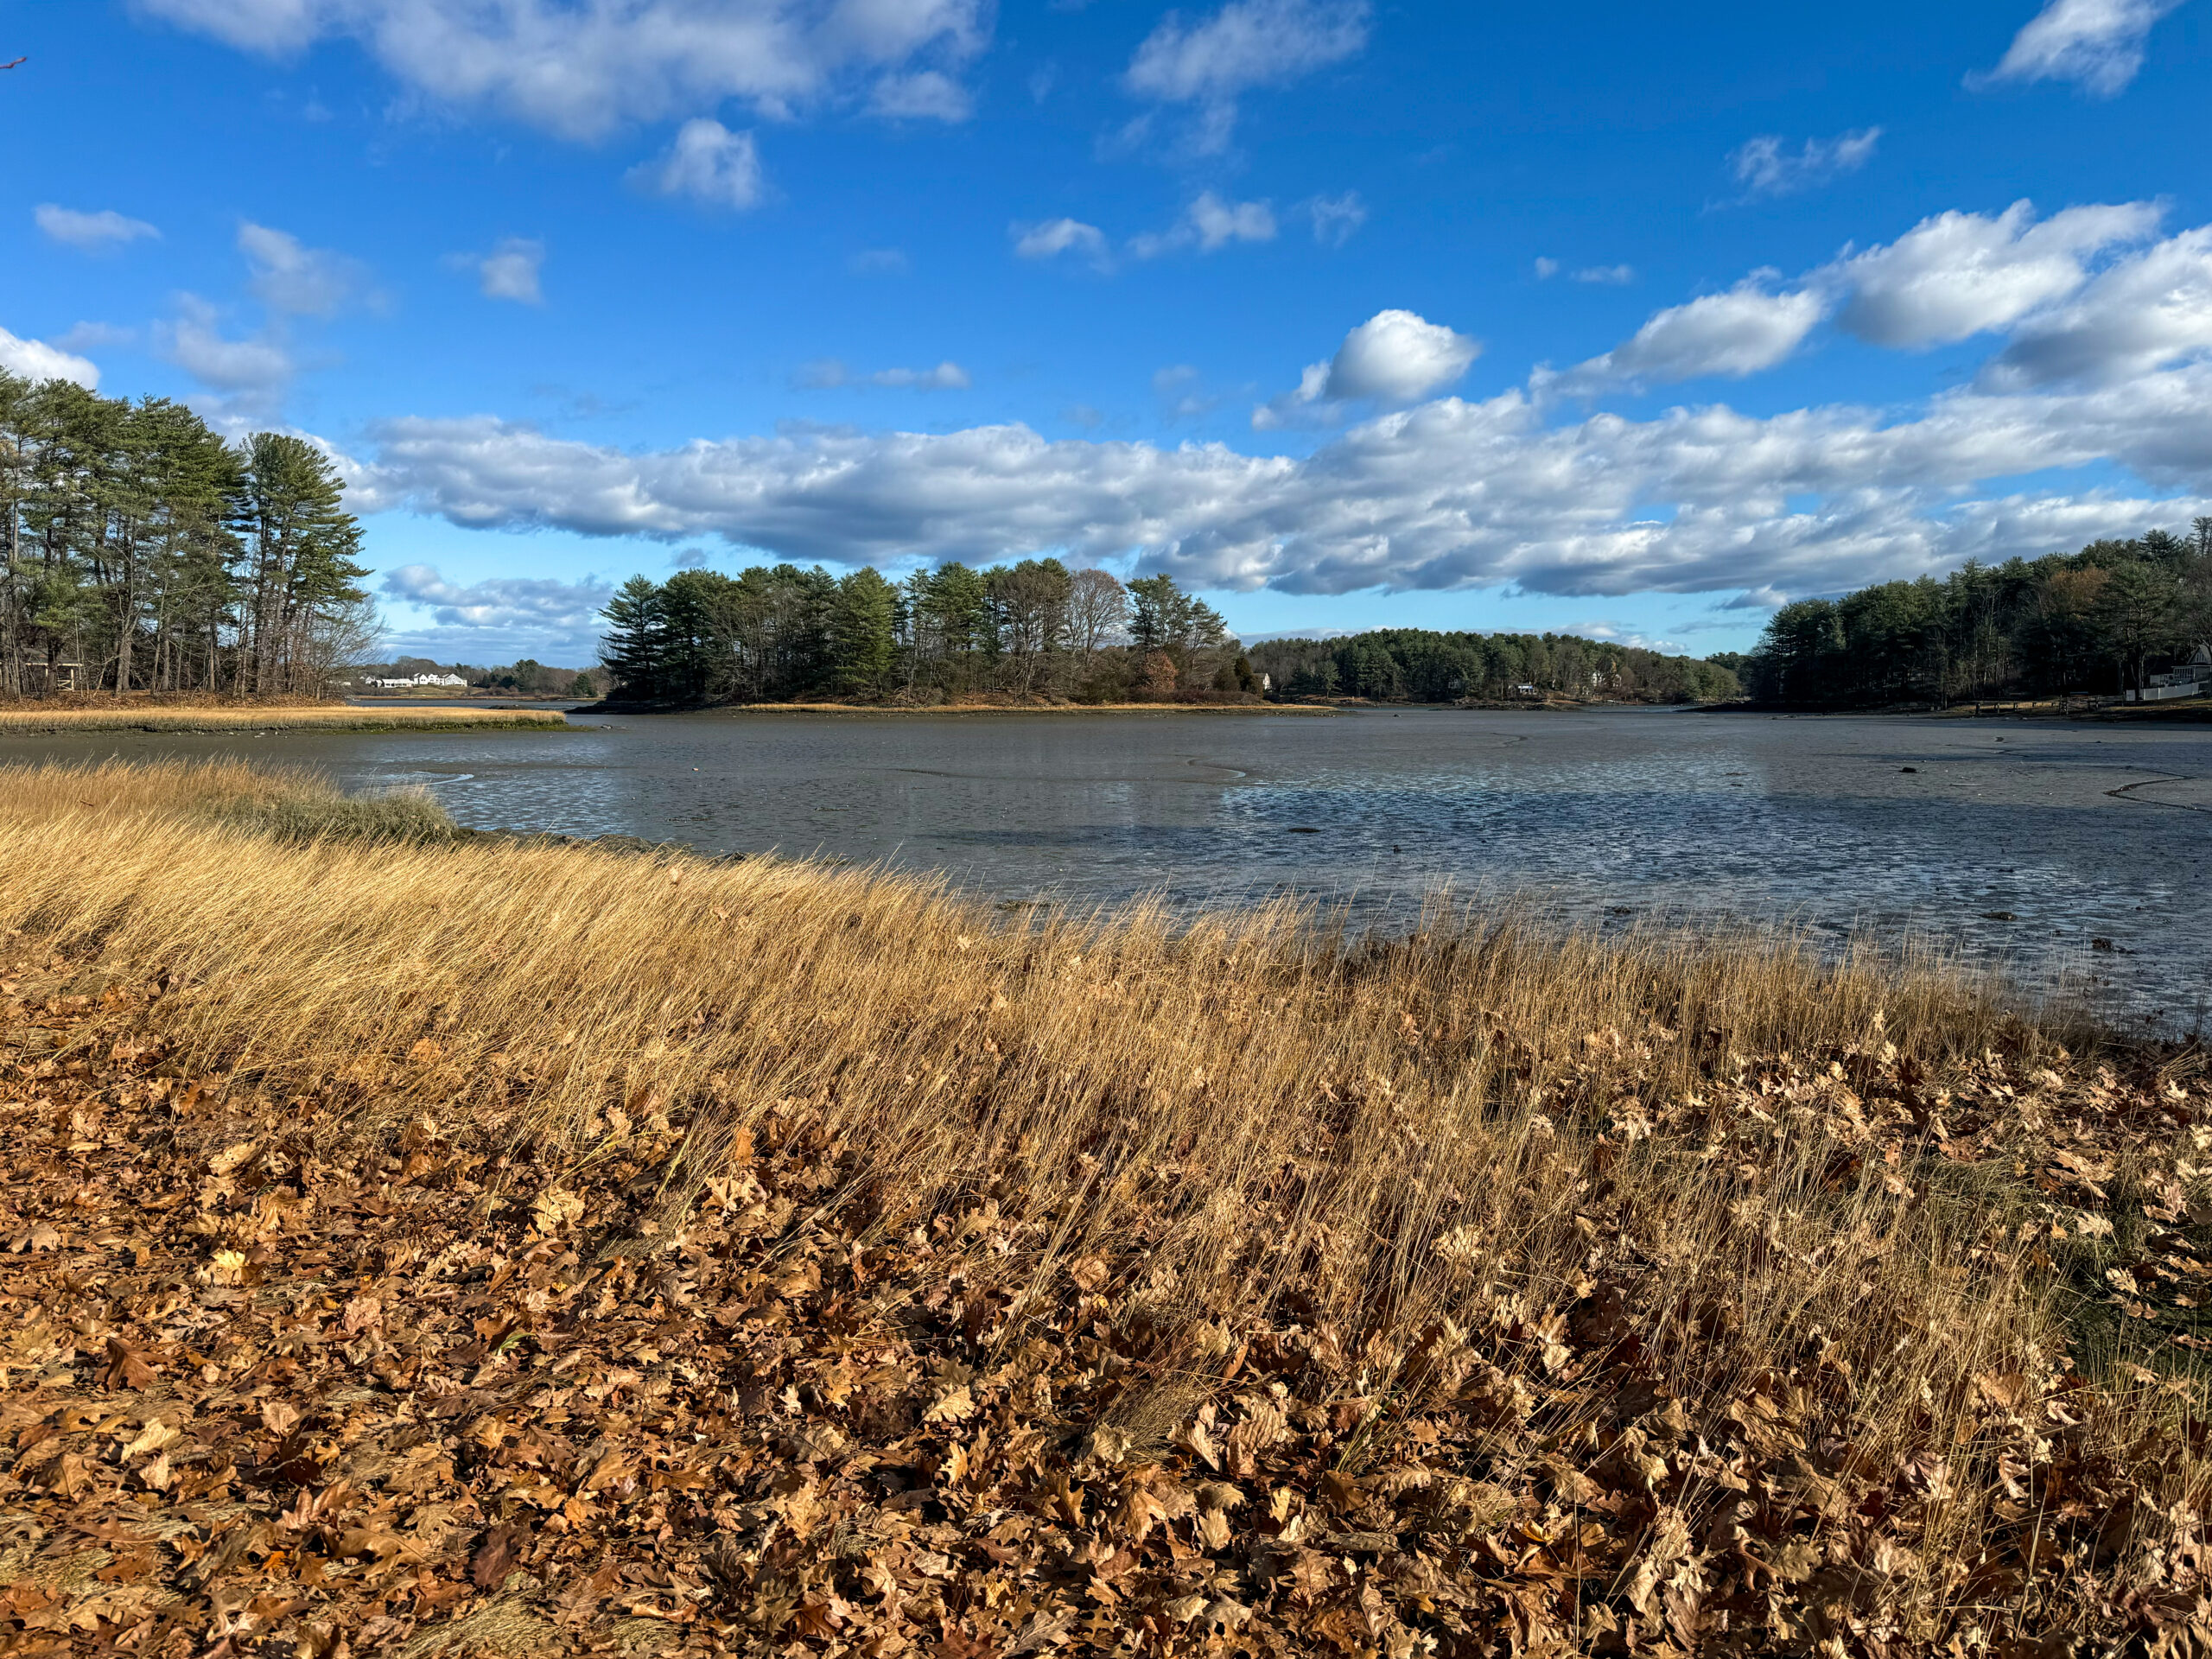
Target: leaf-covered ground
point(268, 1387)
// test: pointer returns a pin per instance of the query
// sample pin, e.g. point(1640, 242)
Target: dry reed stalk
point(310, 717)
point(1436, 1148)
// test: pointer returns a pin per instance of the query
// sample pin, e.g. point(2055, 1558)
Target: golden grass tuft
point(1455, 1154)
point(304, 717)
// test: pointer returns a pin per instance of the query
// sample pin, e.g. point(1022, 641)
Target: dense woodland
point(1416, 665)
point(2097, 622)
point(1037, 628)
point(145, 553)
point(774, 634)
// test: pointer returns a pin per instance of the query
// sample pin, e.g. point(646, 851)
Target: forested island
point(2097, 622)
point(1039, 630)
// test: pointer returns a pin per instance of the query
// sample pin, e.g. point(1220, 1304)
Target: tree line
point(1418, 665)
point(777, 633)
point(2099, 621)
point(780, 633)
point(145, 553)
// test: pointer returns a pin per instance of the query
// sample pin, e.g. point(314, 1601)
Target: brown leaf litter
point(273, 1387)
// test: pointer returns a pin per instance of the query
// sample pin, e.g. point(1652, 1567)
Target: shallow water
point(2077, 832)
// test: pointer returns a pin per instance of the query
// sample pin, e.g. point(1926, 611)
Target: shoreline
point(244, 718)
point(951, 710)
point(1338, 706)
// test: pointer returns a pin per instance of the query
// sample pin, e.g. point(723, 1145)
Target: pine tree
point(636, 638)
point(863, 640)
point(1159, 615)
point(301, 566)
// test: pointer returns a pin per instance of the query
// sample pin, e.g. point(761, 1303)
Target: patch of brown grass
point(1016, 706)
point(264, 717)
point(1633, 1292)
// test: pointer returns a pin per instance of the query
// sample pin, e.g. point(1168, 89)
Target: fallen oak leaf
point(228, 1160)
point(496, 1556)
point(152, 1438)
point(126, 1367)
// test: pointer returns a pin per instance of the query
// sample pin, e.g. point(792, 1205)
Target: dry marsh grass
point(305, 717)
point(1011, 706)
point(1667, 1293)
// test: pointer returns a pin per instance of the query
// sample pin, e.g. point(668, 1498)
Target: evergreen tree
point(2103, 619)
point(302, 545)
point(1159, 615)
point(631, 651)
point(124, 564)
point(696, 665)
point(863, 641)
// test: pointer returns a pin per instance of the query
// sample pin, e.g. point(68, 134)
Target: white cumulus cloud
point(1246, 43)
point(926, 95)
point(1398, 356)
point(511, 272)
point(1209, 224)
point(1766, 166)
point(249, 375)
point(580, 68)
point(34, 360)
point(1748, 328)
point(2088, 420)
point(2148, 310)
point(1952, 276)
point(707, 162)
point(1050, 238)
point(947, 376)
point(2098, 43)
point(97, 233)
point(502, 603)
point(291, 277)
point(827, 373)
point(1335, 219)
point(1449, 493)
point(1394, 357)
point(1220, 223)
point(1961, 274)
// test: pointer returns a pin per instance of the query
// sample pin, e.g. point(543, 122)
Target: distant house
point(2192, 678)
point(410, 681)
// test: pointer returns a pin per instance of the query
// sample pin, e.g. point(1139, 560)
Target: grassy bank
point(29, 721)
point(1006, 707)
point(431, 1245)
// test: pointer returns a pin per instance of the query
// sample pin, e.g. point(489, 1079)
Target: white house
point(412, 681)
point(2191, 679)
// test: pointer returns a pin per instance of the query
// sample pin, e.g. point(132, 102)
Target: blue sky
point(1618, 318)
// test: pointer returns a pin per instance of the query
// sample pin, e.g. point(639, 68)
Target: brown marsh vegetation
point(456, 1245)
point(263, 717)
